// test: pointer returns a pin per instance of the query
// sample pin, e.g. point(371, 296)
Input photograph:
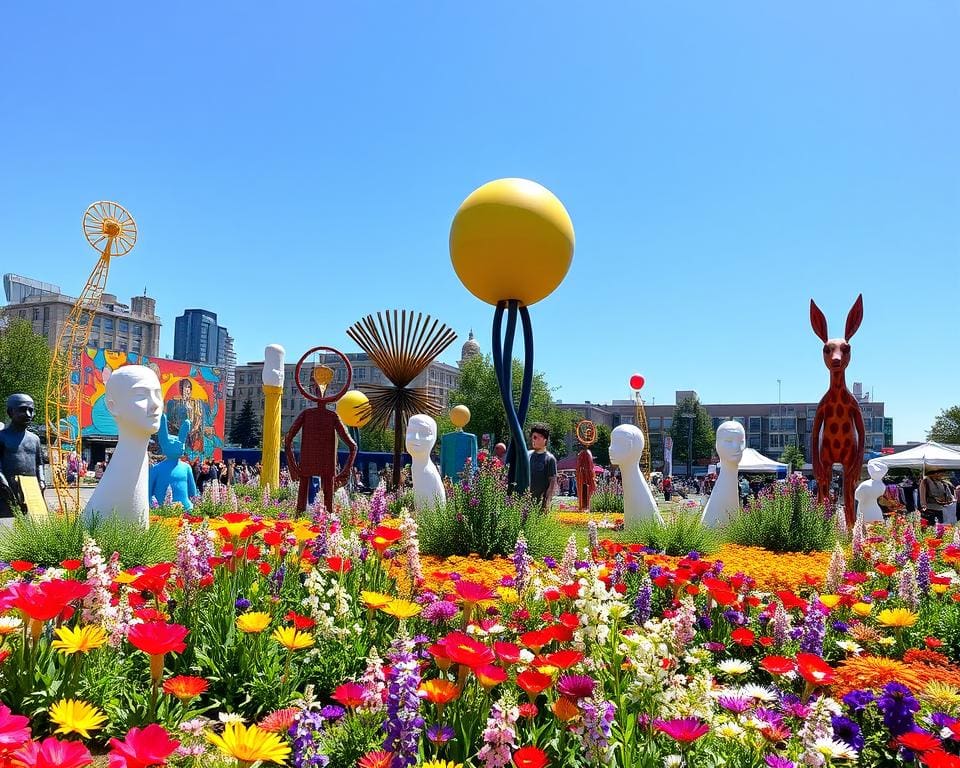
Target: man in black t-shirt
point(543, 467)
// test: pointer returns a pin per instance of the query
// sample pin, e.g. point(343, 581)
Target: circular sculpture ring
point(586, 432)
point(325, 398)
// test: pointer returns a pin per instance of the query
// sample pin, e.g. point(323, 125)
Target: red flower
point(885, 569)
point(52, 754)
point(383, 537)
point(471, 592)
point(530, 757)
point(463, 649)
point(490, 675)
point(528, 710)
point(157, 638)
point(533, 682)
point(778, 665)
point(685, 729)
point(71, 565)
point(153, 579)
point(185, 687)
point(264, 568)
point(508, 653)
point(300, 622)
point(932, 642)
point(272, 538)
point(940, 759)
point(569, 620)
point(44, 601)
point(918, 741)
point(349, 694)
point(378, 759)
point(339, 564)
point(559, 632)
point(743, 636)
point(571, 590)
point(142, 748)
point(563, 659)
point(814, 670)
point(22, 566)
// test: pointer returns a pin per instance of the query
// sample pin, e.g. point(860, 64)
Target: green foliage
point(601, 448)
point(374, 437)
point(479, 391)
point(246, 430)
point(946, 427)
point(25, 361)
point(350, 738)
point(793, 454)
point(481, 518)
point(785, 518)
point(679, 533)
point(51, 539)
point(608, 498)
point(704, 437)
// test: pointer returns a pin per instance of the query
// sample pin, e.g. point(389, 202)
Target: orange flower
point(565, 709)
point(439, 691)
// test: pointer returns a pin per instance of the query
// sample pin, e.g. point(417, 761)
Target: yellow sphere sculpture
point(459, 416)
point(511, 239)
point(354, 408)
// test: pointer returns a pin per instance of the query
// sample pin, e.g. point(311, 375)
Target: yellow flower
point(248, 745)
point(441, 764)
point(76, 717)
point(253, 621)
point(124, 577)
point(375, 600)
point(303, 533)
point(830, 600)
point(887, 641)
point(401, 609)
point(939, 589)
point(508, 595)
point(291, 639)
point(861, 609)
point(941, 696)
point(897, 617)
point(79, 640)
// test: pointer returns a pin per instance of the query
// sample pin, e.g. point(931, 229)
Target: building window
point(124, 326)
point(361, 374)
point(23, 313)
point(754, 422)
point(36, 313)
point(96, 322)
point(123, 346)
point(775, 441)
point(667, 423)
point(754, 442)
point(137, 329)
point(108, 323)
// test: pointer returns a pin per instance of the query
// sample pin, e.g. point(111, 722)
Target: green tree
point(793, 454)
point(480, 392)
point(946, 427)
point(601, 448)
point(25, 361)
point(246, 428)
point(376, 438)
point(704, 437)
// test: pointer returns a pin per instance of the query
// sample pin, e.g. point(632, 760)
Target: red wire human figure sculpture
point(838, 435)
point(321, 428)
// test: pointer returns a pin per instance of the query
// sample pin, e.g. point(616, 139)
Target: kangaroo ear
point(818, 321)
point(854, 318)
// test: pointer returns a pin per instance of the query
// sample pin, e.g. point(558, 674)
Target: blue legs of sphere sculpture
point(518, 460)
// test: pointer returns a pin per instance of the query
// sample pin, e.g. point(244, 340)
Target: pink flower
point(142, 748)
point(52, 753)
point(683, 729)
point(14, 730)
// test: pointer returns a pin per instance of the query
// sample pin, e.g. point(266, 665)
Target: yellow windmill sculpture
point(111, 230)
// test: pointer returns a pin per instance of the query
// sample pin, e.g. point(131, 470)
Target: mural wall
point(190, 391)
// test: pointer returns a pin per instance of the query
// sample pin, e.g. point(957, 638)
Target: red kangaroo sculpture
point(838, 435)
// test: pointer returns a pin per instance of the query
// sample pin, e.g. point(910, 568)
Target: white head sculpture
point(272, 373)
point(421, 435)
point(626, 445)
point(626, 450)
point(877, 469)
point(134, 400)
point(731, 440)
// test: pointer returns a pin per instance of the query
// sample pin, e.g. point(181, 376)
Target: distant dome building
point(471, 348)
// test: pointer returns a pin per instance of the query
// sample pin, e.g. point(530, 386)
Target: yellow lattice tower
point(641, 414)
point(111, 230)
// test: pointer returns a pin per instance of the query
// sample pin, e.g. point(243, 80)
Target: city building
point(198, 338)
point(770, 427)
point(439, 378)
point(117, 326)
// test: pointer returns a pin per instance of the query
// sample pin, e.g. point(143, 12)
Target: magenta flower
point(683, 729)
point(576, 686)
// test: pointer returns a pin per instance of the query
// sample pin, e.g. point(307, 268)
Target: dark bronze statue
point(20, 455)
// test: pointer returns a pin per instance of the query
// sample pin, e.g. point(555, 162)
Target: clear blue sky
point(295, 166)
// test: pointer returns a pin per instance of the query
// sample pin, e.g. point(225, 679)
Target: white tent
point(754, 461)
point(924, 456)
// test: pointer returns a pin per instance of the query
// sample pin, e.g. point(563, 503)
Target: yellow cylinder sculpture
point(272, 377)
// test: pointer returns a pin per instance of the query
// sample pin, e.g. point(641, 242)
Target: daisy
point(734, 667)
point(835, 750)
point(758, 692)
point(850, 647)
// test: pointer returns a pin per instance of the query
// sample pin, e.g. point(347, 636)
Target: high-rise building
point(198, 338)
point(124, 328)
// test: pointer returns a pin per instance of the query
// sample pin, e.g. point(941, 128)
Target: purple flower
point(847, 731)
point(439, 611)
point(897, 705)
point(242, 604)
point(736, 704)
point(814, 628)
point(439, 734)
point(595, 729)
point(642, 603)
point(857, 701)
point(403, 724)
point(549, 562)
point(776, 761)
point(576, 686)
point(332, 712)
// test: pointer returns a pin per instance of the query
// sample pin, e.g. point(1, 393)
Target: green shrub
point(608, 498)
point(48, 540)
point(679, 533)
point(785, 518)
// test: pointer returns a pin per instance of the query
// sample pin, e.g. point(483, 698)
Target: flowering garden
point(333, 640)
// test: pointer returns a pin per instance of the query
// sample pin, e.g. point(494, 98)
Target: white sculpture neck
point(631, 479)
point(728, 478)
point(129, 460)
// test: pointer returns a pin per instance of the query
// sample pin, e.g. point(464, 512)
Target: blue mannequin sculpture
point(171, 472)
point(456, 447)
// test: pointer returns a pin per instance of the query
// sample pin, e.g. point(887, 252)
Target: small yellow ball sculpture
point(459, 416)
point(353, 408)
point(511, 239)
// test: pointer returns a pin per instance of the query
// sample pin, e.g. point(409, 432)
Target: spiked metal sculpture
point(401, 344)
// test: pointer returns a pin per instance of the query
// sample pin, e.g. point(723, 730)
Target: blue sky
point(294, 167)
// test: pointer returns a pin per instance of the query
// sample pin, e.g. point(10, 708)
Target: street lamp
point(690, 417)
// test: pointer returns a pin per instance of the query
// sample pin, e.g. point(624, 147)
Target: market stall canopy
point(754, 461)
point(924, 456)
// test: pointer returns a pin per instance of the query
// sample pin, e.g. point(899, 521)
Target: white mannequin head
point(421, 435)
point(876, 469)
point(731, 440)
point(134, 401)
point(626, 445)
point(272, 373)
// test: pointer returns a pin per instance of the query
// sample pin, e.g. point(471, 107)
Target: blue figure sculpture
point(171, 472)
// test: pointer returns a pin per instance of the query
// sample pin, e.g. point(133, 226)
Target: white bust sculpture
point(626, 448)
point(725, 497)
point(272, 373)
point(869, 491)
point(427, 484)
point(134, 401)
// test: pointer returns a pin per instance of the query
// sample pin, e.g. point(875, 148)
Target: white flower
point(758, 692)
point(526, 656)
point(734, 667)
point(9, 624)
point(729, 730)
point(230, 717)
point(835, 750)
point(850, 647)
point(673, 761)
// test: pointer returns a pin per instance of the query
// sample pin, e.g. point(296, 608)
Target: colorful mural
point(190, 391)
